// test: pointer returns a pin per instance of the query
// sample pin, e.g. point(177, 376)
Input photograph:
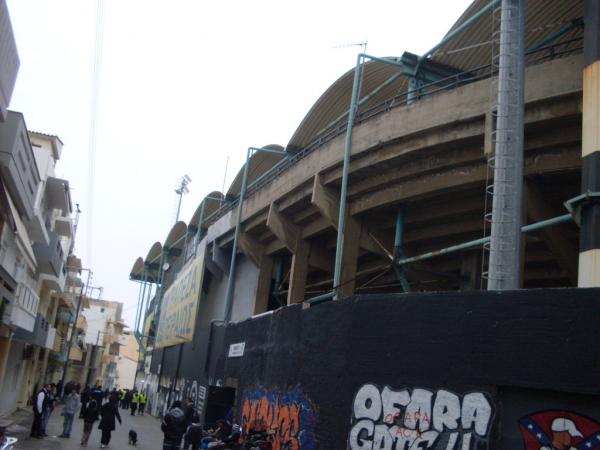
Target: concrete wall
point(10, 386)
point(96, 320)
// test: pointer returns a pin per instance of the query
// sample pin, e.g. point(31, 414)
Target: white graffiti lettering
point(418, 419)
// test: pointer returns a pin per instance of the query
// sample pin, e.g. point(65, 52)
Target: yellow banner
point(179, 305)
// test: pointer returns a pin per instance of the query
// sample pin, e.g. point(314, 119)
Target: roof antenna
point(357, 44)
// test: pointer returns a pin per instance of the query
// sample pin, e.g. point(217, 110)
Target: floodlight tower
point(180, 190)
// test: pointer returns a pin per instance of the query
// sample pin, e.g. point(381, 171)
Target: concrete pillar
point(589, 238)
point(298, 273)
point(263, 286)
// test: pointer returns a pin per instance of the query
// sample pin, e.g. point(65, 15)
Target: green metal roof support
point(467, 24)
point(577, 23)
point(238, 223)
point(465, 245)
point(337, 274)
point(398, 238)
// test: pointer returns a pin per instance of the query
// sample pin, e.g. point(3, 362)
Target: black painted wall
point(528, 352)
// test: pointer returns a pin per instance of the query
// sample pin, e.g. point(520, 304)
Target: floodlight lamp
point(187, 178)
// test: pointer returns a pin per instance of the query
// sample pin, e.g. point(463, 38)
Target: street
point(147, 427)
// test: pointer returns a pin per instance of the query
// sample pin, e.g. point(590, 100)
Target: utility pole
point(72, 339)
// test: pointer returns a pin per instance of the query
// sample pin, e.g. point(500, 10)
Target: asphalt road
point(148, 429)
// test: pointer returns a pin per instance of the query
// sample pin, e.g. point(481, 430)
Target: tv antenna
point(357, 44)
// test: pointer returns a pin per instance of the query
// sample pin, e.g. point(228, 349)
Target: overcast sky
point(183, 85)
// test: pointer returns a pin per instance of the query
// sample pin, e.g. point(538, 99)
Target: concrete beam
point(284, 229)
point(327, 202)
point(298, 273)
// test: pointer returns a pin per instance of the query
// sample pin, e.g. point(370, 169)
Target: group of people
point(94, 404)
point(134, 400)
point(182, 423)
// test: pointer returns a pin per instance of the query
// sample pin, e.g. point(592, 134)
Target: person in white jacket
point(563, 432)
point(68, 412)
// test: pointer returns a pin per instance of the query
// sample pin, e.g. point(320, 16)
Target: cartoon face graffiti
point(288, 416)
point(559, 430)
point(419, 419)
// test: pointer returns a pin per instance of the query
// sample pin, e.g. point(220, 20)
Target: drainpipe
point(589, 210)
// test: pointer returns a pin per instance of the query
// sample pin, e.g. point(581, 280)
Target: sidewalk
point(148, 429)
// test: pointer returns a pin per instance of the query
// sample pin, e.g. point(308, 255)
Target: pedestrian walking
point(173, 426)
point(108, 412)
point(128, 395)
point(68, 412)
point(85, 399)
point(135, 399)
point(90, 416)
point(142, 397)
point(122, 394)
point(49, 402)
point(38, 411)
point(98, 394)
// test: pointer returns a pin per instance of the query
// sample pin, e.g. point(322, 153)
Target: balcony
point(38, 336)
point(82, 324)
point(8, 286)
point(76, 354)
point(9, 60)
point(64, 315)
point(53, 340)
point(58, 195)
point(24, 308)
point(17, 164)
point(50, 259)
point(64, 226)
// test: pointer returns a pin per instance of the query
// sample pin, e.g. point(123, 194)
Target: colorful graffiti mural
point(559, 430)
point(419, 419)
point(289, 416)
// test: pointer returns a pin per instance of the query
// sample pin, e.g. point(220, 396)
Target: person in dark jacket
point(109, 411)
point(98, 394)
point(89, 417)
point(85, 399)
point(173, 427)
point(38, 409)
point(194, 434)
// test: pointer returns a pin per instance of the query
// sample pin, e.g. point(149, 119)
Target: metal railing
point(561, 49)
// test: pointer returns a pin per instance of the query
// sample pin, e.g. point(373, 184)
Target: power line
point(93, 131)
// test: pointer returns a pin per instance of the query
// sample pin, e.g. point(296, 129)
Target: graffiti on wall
point(289, 416)
point(559, 430)
point(408, 419)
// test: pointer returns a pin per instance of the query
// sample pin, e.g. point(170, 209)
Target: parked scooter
point(6, 443)
point(258, 441)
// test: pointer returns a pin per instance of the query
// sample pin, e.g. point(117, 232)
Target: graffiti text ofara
point(410, 419)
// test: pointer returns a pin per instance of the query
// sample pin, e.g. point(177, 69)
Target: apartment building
point(104, 338)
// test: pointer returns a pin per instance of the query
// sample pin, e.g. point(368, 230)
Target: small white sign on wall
point(236, 350)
